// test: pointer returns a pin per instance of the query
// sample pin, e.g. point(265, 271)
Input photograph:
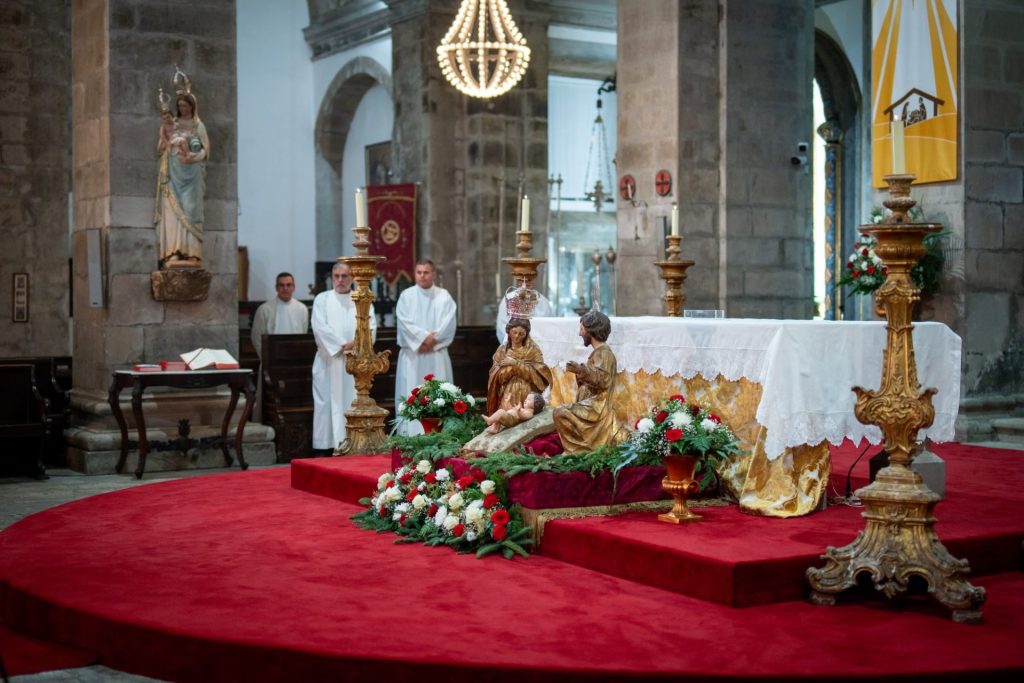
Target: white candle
point(360, 208)
point(497, 285)
point(524, 223)
point(675, 220)
point(899, 163)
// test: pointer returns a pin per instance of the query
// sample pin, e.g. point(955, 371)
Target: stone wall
point(122, 52)
point(34, 173)
point(993, 109)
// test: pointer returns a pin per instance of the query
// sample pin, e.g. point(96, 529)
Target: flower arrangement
point(865, 271)
point(435, 398)
point(421, 503)
point(678, 427)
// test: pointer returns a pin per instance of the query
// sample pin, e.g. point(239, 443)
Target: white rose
point(396, 516)
point(450, 522)
point(645, 425)
point(423, 466)
point(382, 480)
point(708, 424)
point(456, 501)
point(419, 502)
point(470, 536)
point(450, 388)
point(439, 517)
point(422, 485)
point(487, 486)
point(442, 475)
point(402, 507)
point(438, 401)
point(392, 494)
point(475, 504)
point(474, 515)
point(680, 419)
point(470, 400)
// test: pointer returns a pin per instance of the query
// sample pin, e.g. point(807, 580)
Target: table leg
point(115, 409)
point(228, 460)
point(250, 392)
point(140, 424)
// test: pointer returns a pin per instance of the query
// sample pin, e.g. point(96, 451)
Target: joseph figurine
point(590, 421)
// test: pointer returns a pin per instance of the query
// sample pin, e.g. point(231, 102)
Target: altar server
point(281, 315)
point(426, 327)
point(334, 327)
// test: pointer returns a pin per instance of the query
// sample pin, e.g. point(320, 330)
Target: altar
point(784, 386)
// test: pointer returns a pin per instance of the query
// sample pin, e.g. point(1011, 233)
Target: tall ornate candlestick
point(364, 421)
point(899, 539)
point(673, 272)
point(524, 267)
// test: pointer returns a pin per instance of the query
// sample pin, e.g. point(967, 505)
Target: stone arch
point(333, 122)
point(841, 97)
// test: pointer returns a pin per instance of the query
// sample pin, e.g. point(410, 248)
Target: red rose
point(424, 400)
point(864, 251)
point(405, 477)
point(411, 399)
point(677, 397)
point(695, 410)
point(871, 270)
point(500, 517)
point(661, 417)
point(460, 407)
point(465, 482)
point(430, 478)
point(401, 520)
point(432, 510)
point(427, 378)
point(498, 533)
point(459, 529)
point(856, 273)
point(415, 391)
point(478, 474)
point(383, 512)
point(672, 435)
point(412, 494)
point(490, 500)
point(714, 418)
point(390, 484)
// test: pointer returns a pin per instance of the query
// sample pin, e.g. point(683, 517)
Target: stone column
point(122, 52)
point(458, 148)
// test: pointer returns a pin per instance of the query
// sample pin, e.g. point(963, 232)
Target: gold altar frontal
point(789, 486)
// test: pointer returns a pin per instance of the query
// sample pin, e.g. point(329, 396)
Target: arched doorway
point(334, 124)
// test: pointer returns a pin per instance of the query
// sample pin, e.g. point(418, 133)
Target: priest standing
point(426, 327)
point(281, 315)
point(334, 327)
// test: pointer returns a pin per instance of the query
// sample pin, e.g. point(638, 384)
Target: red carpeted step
point(346, 478)
point(22, 655)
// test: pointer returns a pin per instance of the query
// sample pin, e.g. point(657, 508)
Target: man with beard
point(590, 421)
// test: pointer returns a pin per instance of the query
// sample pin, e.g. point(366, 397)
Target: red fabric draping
point(392, 219)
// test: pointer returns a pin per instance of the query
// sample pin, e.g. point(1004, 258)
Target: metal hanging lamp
point(483, 54)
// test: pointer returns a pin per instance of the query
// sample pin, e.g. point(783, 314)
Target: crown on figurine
point(521, 301)
point(182, 87)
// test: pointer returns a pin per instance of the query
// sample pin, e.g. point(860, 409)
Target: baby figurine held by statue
point(503, 418)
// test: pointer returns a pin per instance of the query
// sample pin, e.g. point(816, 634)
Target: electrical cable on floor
point(850, 499)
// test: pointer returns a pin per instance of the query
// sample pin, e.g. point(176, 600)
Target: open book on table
point(209, 359)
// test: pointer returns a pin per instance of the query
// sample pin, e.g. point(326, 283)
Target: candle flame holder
point(673, 272)
point(524, 267)
point(899, 541)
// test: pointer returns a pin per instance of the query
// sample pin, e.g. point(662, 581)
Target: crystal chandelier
point(483, 54)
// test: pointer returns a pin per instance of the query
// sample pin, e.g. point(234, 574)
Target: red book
point(146, 367)
point(173, 366)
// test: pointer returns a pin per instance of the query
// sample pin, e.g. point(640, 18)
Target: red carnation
point(637, 423)
point(406, 477)
point(490, 500)
point(411, 399)
point(864, 251)
point(427, 378)
point(871, 270)
point(500, 517)
point(401, 520)
point(672, 435)
point(383, 512)
point(430, 478)
point(498, 533)
point(714, 418)
point(677, 397)
point(465, 482)
point(460, 407)
point(856, 273)
point(459, 529)
point(661, 417)
point(424, 400)
point(390, 484)
point(478, 474)
point(415, 391)
point(412, 494)
point(432, 510)
point(695, 410)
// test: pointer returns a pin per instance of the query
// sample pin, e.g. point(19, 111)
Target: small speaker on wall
point(94, 266)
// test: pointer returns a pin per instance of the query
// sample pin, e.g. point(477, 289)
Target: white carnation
point(419, 502)
point(450, 522)
point(476, 504)
point(442, 475)
point(708, 424)
point(396, 516)
point(438, 401)
point(680, 419)
point(374, 502)
point(449, 388)
point(474, 515)
point(391, 495)
point(439, 517)
point(382, 480)
point(422, 485)
point(423, 466)
point(470, 536)
point(402, 507)
point(487, 486)
point(645, 425)
point(456, 501)
point(470, 400)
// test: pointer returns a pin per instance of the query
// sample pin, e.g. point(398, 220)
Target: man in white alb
point(542, 310)
point(426, 327)
point(334, 327)
point(281, 315)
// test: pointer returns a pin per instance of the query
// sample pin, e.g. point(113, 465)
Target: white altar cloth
point(806, 368)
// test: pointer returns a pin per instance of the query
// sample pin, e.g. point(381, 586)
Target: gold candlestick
point(364, 421)
point(899, 539)
point(673, 272)
point(524, 267)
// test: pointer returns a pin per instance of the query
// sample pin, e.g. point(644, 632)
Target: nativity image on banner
point(392, 222)
point(914, 65)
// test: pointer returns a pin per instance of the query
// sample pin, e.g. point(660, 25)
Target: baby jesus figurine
point(170, 138)
point(502, 418)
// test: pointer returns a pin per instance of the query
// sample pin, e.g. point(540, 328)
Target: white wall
point(572, 107)
point(372, 123)
point(276, 115)
point(326, 68)
point(844, 22)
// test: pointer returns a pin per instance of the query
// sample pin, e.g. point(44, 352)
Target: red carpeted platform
point(242, 577)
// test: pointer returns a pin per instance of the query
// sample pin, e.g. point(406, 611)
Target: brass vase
point(679, 482)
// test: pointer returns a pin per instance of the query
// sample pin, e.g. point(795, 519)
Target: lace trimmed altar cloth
point(784, 386)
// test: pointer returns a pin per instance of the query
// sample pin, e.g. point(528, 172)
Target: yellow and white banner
point(914, 66)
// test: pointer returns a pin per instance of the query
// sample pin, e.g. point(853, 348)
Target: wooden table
point(237, 380)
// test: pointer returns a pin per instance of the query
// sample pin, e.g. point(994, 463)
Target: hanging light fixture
point(483, 54)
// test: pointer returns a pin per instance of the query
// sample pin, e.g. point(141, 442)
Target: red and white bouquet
point(435, 398)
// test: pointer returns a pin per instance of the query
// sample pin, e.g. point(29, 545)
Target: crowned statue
point(184, 149)
point(517, 367)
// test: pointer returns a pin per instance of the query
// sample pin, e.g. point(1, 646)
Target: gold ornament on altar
point(673, 270)
point(365, 419)
point(483, 54)
point(899, 539)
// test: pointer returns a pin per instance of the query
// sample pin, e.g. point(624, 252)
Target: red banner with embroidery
point(392, 219)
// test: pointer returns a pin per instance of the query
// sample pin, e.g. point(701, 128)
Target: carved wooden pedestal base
point(365, 432)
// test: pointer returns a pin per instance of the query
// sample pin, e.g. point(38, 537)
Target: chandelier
point(483, 54)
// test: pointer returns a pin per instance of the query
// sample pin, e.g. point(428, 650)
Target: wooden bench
point(53, 380)
point(24, 412)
